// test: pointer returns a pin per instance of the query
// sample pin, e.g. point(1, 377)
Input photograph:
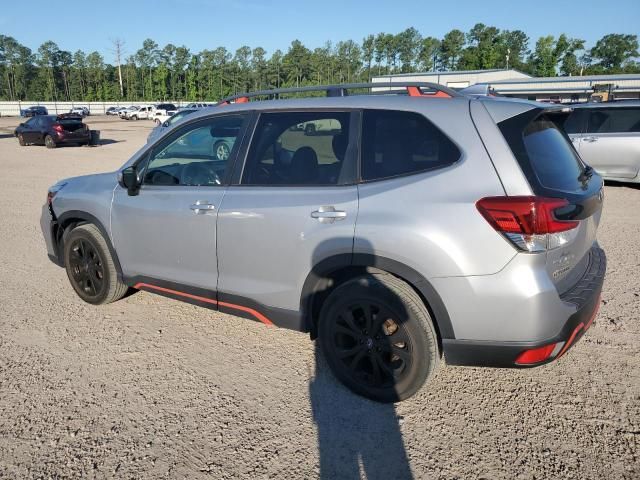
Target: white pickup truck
point(145, 112)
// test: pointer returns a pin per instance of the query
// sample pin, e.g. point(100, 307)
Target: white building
point(513, 83)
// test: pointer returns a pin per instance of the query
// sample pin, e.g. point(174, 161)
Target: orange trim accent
point(438, 94)
point(570, 341)
point(242, 100)
point(580, 327)
point(416, 92)
point(175, 292)
point(256, 314)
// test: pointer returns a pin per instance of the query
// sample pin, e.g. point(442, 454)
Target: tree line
point(173, 72)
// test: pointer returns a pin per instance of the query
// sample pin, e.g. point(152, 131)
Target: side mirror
point(21, 125)
point(128, 178)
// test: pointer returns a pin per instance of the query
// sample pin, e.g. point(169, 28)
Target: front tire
point(378, 337)
point(90, 268)
point(21, 140)
point(48, 142)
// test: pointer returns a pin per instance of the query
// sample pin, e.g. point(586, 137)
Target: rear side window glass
point(614, 120)
point(575, 122)
point(400, 143)
point(552, 156)
point(299, 149)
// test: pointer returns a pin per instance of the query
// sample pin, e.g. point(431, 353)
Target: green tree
point(409, 43)
point(451, 49)
point(614, 50)
point(368, 53)
point(428, 55)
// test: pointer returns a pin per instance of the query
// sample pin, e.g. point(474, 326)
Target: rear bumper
point(63, 138)
point(585, 295)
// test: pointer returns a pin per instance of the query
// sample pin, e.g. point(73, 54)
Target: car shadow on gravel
point(355, 434)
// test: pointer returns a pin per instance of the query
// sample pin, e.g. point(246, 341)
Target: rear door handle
point(328, 214)
point(202, 207)
point(590, 139)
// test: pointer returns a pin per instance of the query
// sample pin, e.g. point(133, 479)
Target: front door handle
point(202, 207)
point(328, 214)
point(590, 139)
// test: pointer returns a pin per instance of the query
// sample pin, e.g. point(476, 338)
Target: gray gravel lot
point(152, 388)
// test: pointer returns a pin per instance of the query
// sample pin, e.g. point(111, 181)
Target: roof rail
point(413, 89)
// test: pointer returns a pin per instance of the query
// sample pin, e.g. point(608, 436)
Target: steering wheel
point(198, 174)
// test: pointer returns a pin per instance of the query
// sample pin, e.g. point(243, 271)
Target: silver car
point(607, 135)
point(419, 226)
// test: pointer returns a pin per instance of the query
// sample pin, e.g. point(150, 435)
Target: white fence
point(10, 109)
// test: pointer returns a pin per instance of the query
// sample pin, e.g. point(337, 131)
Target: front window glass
point(197, 155)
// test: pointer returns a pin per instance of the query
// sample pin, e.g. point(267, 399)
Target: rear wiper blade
point(586, 174)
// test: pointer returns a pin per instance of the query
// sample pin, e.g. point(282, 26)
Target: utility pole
point(118, 51)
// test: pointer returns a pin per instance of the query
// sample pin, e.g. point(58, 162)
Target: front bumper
point(585, 295)
point(49, 229)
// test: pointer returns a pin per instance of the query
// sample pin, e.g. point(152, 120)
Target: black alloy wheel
point(378, 338)
point(373, 347)
point(87, 268)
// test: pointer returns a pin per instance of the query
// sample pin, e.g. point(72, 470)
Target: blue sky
point(272, 24)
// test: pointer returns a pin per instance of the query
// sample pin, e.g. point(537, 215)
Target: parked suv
point(417, 226)
point(607, 135)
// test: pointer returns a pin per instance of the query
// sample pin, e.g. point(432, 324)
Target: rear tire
point(48, 142)
point(378, 337)
point(90, 268)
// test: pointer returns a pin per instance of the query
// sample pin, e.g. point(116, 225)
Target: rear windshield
point(554, 160)
point(543, 150)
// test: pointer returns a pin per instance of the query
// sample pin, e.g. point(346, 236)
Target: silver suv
point(607, 135)
point(421, 224)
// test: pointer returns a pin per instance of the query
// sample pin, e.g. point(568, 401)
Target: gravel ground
point(152, 388)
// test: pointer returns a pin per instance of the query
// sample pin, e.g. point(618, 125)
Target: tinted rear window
point(551, 156)
point(400, 143)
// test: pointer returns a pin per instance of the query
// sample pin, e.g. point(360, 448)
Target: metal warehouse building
point(513, 83)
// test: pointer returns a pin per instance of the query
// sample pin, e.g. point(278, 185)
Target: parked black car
point(53, 130)
point(33, 111)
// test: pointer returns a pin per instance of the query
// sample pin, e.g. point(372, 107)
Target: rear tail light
point(528, 222)
point(57, 127)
